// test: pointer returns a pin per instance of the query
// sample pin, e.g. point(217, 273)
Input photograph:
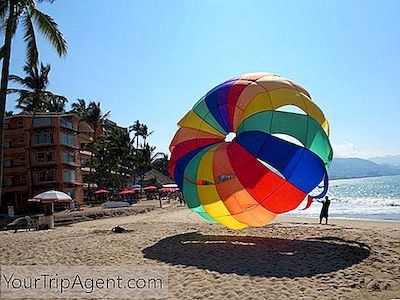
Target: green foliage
point(116, 159)
point(33, 95)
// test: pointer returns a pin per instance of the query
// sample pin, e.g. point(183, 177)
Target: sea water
point(373, 198)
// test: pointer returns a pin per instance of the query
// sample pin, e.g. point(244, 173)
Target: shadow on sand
point(258, 256)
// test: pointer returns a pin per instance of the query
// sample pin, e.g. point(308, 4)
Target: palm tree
point(161, 164)
point(92, 115)
point(122, 153)
point(34, 97)
point(12, 12)
point(136, 127)
point(145, 158)
point(144, 133)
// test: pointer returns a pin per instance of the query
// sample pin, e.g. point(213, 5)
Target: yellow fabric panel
point(315, 112)
point(261, 102)
point(282, 97)
point(209, 197)
point(247, 95)
point(192, 120)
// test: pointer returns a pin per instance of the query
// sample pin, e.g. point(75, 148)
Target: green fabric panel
point(291, 124)
point(318, 142)
point(260, 121)
point(201, 109)
point(302, 127)
point(190, 189)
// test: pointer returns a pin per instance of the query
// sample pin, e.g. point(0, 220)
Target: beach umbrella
point(150, 187)
point(101, 192)
point(127, 191)
point(52, 196)
point(243, 154)
point(170, 185)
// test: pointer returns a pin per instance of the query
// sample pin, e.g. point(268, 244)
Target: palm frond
point(30, 39)
point(3, 9)
point(14, 91)
point(49, 28)
point(16, 79)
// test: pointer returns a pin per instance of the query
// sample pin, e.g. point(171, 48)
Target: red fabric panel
point(285, 198)
point(270, 190)
point(255, 177)
point(233, 96)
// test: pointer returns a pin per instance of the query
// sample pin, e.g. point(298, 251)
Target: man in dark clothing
point(324, 210)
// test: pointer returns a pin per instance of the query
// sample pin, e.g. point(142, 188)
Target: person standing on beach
point(324, 210)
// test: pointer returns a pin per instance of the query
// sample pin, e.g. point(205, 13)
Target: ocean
point(372, 198)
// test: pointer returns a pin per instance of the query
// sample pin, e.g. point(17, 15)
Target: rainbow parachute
point(261, 172)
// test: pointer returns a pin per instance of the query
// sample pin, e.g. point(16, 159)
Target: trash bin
point(46, 222)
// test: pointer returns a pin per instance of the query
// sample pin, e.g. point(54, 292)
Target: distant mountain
point(391, 160)
point(357, 167)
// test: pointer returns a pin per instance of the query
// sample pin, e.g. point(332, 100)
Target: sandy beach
point(292, 258)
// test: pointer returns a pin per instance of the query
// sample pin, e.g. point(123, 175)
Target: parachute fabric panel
point(248, 180)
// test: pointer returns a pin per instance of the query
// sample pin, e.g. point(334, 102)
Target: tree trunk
point(4, 85)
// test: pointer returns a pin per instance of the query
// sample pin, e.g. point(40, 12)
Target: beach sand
point(292, 258)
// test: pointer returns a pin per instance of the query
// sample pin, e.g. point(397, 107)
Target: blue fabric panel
point(326, 186)
point(298, 165)
point(213, 105)
point(183, 162)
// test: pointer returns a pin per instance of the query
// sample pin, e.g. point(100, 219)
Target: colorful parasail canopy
point(253, 147)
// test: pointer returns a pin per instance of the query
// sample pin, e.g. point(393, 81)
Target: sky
point(152, 60)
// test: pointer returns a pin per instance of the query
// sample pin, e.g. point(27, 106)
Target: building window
point(41, 121)
point(8, 163)
point(47, 175)
point(44, 138)
point(7, 144)
point(67, 139)
point(8, 180)
point(69, 175)
point(68, 157)
point(66, 122)
point(21, 142)
point(20, 123)
point(21, 160)
point(43, 157)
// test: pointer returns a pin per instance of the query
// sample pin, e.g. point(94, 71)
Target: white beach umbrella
point(52, 196)
point(170, 185)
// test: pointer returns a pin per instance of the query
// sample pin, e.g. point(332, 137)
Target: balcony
point(15, 169)
point(42, 122)
point(47, 164)
point(15, 188)
point(49, 182)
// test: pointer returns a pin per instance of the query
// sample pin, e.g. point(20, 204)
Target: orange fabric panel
point(185, 134)
point(235, 197)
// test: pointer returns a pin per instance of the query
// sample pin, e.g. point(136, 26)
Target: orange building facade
point(42, 155)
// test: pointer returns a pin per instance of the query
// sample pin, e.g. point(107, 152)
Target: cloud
point(347, 149)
